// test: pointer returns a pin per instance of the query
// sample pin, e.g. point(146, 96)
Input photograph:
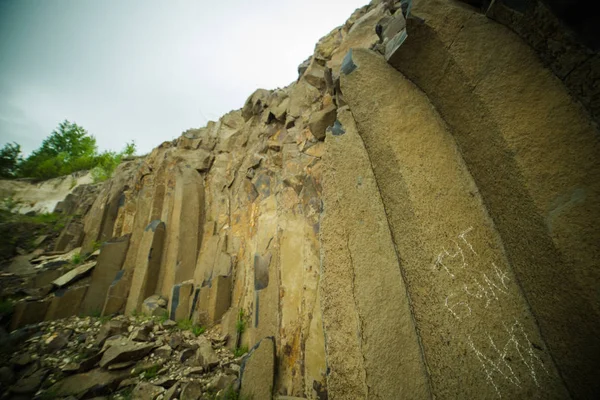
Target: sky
point(147, 70)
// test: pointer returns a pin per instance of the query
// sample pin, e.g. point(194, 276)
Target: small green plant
point(76, 259)
point(240, 351)
point(150, 373)
point(163, 317)
point(188, 325)
point(96, 245)
point(240, 324)
point(197, 330)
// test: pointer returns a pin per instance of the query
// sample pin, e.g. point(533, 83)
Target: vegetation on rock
point(68, 149)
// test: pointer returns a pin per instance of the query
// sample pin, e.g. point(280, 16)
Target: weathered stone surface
point(163, 352)
point(321, 120)
point(146, 391)
point(109, 329)
point(125, 351)
point(66, 302)
point(205, 355)
point(258, 369)
point(146, 273)
point(74, 274)
point(109, 262)
point(181, 300)
point(89, 384)
point(389, 139)
point(191, 391)
point(28, 312)
point(359, 253)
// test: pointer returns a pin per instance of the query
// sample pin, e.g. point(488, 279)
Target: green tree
point(69, 148)
point(130, 148)
point(10, 156)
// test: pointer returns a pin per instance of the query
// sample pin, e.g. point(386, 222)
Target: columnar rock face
point(413, 218)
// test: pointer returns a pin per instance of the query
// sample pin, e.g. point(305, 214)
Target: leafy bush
point(240, 351)
point(9, 159)
point(68, 149)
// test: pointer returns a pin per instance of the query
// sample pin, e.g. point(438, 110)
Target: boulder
point(125, 351)
point(111, 328)
point(222, 381)
point(163, 352)
point(57, 341)
point(154, 305)
point(93, 383)
point(205, 355)
point(31, 383)
point(321, 120)
point(191, 391)
point(172, 393)
point(74, 274)
point(258, 369)
point(146, 391)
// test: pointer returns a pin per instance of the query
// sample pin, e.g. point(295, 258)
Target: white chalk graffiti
point(484, 288)
point(498, 365)
point(517, 359)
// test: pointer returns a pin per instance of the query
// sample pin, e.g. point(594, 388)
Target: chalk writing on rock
point(518, 351)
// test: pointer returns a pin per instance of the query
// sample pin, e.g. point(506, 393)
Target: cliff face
point(404, 222)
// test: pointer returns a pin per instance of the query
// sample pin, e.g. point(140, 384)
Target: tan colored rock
point(109, 263)
point(66, 302)
point(181, 299)
point(145, 276)
point(96, 382)
point(455, 300)
point(74, 274)
point(29, 312)
point(258, 369)
point(123, 350)
point(321, 120)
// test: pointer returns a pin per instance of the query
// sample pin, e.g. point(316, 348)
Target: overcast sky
point(146, 70)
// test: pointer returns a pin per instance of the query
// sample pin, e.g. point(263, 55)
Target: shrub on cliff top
point(68, 149)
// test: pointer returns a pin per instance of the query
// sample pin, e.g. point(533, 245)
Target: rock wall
point(415, 224)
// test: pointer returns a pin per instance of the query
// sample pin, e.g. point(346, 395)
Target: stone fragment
point(145, 275)
point(29, 312)
point(315, 75)
point(57, 341)
point(74, 274)
point(146, 391)
point(172, 393)
point(304, 66)
point(123, 365)
point(321, 120)
point(109, 263)
point(186, 354)
point(205, 355)
point(258, 369)
point(71, 367)
point(180, 300)
point(111, 328)
point(163, 352)
point(154, 305)
point(6, 376)
point(66, 302)
point(140, 335)
point(222, 381)
point(191, 391)
point(169, 324)
point(31, 383)
point(93, 383)
point(166, 382)
point(125, 351)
